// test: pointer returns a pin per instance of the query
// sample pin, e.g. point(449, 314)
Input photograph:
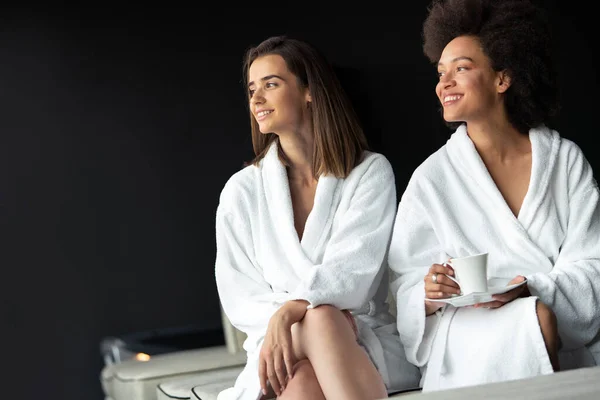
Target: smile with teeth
point(450, 99)
point(263, 113)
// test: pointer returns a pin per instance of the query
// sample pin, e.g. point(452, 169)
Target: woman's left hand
point(502, 299)
point(276, 358)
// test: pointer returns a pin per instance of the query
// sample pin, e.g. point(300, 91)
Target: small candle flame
point(142, 357)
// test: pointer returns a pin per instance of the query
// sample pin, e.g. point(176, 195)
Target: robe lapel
point(544, 149)
point(320, 218)
point(514, 230)
point(464, 156)
point(301, 255)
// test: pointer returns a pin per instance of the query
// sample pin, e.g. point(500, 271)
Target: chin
point(265, 131)
point(451, 118)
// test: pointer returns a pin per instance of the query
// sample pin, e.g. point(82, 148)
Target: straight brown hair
point(339, 140)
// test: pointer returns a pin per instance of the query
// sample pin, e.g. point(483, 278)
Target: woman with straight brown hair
point(302, 237)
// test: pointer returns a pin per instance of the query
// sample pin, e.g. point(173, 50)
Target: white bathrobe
point(452, 208)
point(340, 260)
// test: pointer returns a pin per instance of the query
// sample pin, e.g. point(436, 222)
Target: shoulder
point(432, 169)
point(373, 165)
point(434, 164)
point(578, 169)
point(571, 165)
point(550, 140)
point(570, 155)
point(239, 188)
point(572, 152)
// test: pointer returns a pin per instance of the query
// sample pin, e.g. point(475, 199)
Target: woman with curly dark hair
point(507, 185)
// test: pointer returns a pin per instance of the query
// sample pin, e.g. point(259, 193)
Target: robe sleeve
point(572, 288)
point(414, 247)
point(247, 299)
point(355, 255)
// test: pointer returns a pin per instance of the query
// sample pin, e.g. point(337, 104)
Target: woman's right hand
point(276, 358)
point(438, 286)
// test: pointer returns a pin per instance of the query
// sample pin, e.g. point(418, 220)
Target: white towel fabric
point(452, 208)
point(340, 260)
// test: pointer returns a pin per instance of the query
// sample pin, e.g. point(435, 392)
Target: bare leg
point(343, 369)
point(549, 329)
point(304, 384)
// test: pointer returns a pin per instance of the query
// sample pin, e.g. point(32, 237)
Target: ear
point(307, 96)
point(503, 81)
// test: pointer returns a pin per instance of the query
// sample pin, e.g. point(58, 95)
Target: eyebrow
point(457, 59)
point(266, 78)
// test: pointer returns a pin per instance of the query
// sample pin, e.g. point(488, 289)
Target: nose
point(257, 97)
point(446, 80)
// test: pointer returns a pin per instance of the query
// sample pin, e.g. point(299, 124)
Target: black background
point(119, 127)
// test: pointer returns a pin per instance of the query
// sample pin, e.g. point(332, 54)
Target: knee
point(321, 325)
point(321, 318)
point(303, 372)
point(304, 383)
point(549, 328)
point(546, 316)
point(548, 324)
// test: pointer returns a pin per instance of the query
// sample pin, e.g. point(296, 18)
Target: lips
point(451, 99)
point(262, 114)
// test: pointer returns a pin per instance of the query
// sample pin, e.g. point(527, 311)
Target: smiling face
point(468, 88)
point(277, 100)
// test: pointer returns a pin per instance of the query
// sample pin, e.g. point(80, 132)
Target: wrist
point(525, 292)
point(293, 310)
point(431, 308)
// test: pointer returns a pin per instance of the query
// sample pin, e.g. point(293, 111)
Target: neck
point(298, 150)
point(498, 139)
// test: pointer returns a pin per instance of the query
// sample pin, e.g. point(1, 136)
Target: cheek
point(482, 91)
point(292, 106)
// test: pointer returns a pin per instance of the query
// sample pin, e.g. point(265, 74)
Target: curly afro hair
point(516, 36)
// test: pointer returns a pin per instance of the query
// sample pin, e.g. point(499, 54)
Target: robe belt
point(369, 309)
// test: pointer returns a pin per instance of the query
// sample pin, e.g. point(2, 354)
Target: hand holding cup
point(439, 284)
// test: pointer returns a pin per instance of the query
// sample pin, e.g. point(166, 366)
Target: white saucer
point(495, 286)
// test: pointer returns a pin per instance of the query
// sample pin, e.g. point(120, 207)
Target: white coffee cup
point(470, 273)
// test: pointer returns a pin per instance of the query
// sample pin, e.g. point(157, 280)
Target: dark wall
point(118, 130)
